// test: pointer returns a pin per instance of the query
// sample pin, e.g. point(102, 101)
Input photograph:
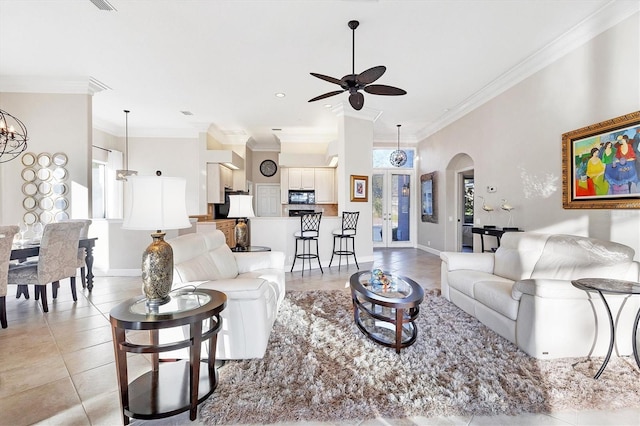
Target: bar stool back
point(309, 231)
point(344, 235)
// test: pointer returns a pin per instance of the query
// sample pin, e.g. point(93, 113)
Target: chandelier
point(12, 142)
point(398, 157)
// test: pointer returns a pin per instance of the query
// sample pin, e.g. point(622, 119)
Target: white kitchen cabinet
point(301, 178)
point(284, 186)
point(325, 186)
point(219, 177)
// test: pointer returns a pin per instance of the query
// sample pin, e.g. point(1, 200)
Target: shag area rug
point(320, 367)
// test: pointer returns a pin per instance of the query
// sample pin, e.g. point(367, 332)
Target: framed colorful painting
point(601, 165)
point(359, 188)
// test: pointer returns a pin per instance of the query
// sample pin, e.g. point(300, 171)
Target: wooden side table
point(160, 392)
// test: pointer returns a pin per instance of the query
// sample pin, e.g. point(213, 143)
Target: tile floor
point(58, 368)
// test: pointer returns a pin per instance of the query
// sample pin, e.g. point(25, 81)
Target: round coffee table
point(170, 387)
point(386, 316)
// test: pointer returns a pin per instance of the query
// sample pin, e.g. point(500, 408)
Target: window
point(381, 158)
point(98, 192)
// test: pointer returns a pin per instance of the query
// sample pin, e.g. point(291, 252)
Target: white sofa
point(253, 282)
point(523, 292)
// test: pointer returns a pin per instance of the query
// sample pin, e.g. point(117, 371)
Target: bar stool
point(344, 234)
point(309, 231)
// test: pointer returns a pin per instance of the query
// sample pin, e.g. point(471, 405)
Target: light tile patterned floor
point(58, 368)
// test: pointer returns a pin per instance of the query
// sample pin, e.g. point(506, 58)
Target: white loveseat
point(523, 292)
point(253, 282)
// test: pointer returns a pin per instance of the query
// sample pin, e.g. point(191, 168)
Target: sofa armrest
point(254, 261)
point(548, 289)
point(472, 261)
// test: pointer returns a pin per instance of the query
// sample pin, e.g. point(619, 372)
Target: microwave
point(302, 197)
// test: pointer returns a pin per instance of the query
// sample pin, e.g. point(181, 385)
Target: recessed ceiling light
point(280, 95)
point(276, 129)
point(327, 105)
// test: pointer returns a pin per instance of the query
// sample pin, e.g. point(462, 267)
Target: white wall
point(55, 123)
point(515, 141)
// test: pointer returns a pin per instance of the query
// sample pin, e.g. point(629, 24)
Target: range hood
point(225, 157)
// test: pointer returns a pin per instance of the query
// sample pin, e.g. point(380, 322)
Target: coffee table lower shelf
point(160, 394)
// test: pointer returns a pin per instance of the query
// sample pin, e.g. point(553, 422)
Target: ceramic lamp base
point(157, 270)
point(242, 234)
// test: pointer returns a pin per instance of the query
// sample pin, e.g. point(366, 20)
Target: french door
point(392, 209)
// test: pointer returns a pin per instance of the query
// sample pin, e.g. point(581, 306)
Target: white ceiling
point(224, 61)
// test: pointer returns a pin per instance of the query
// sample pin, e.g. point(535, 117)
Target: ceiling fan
point(355, 82)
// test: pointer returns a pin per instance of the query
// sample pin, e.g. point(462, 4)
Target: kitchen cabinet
point(301, 178)
point(227, 226)
point(325, 186)
point(219, 177)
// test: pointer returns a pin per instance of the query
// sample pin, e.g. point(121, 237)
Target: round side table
point(160, 392)
point(604, 286)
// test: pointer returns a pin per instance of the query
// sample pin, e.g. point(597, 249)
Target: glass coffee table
point(386, 314)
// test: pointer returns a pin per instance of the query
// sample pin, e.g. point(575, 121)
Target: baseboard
point(428, 249)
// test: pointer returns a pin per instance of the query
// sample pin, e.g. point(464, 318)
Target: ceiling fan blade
point(326, 95)
point(381, 89)
point(327, 78)
point(371, 75)
point(356, 100)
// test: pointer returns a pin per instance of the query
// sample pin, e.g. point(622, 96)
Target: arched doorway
point(459, 207)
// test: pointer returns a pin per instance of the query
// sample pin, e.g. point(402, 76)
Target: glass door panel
point(391, 195)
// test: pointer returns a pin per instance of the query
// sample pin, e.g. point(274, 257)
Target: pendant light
point(398, 157)
point(13, 137)
point(122, 174)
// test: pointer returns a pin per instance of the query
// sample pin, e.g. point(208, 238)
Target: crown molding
point(47, 84)
point(609, 15)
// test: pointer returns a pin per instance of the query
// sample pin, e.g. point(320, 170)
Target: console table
point(492, 232)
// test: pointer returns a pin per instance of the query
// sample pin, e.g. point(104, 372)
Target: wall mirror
point(29, 188)
point(429, 197)
point(44, 174)
point(59, 159)
point(44, 160)
point(28, 175)
point(29, 203)
point(29, 218)
point(28, 159)
point(60, 173)
point(59, 189)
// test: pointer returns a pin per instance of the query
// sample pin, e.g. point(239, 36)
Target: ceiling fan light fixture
point(398, 158)
point(354, 83)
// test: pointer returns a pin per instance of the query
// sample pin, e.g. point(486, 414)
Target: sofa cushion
point(465, 280)
point(497, 296)
point(518, 254)
point(222, 257)
point(568, 257)
point(198, 268)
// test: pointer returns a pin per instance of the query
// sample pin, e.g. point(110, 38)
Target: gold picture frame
point(601, 165)
point(359, 188)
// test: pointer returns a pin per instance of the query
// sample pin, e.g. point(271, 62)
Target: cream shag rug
point(319, 366)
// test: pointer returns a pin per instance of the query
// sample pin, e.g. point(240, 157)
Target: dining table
point(24, 250)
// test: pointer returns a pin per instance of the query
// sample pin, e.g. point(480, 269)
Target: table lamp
point(156, 203)
point(241, 207)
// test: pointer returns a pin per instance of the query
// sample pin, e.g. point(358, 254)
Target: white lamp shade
point(241, 206)
point(156, 203)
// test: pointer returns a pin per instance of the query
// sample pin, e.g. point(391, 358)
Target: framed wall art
point(359, 188)
point(601, 165)
point(428, 197)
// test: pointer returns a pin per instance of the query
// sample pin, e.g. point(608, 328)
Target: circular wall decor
point(29, 203)
point(59, 159)
point(28, 175)
point(268, 168)
point(28, 159)
point(44, 159)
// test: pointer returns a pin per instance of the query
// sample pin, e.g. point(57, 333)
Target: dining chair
point(6, 240)
point(57, 259)
point(82, 252)
point(344, 234)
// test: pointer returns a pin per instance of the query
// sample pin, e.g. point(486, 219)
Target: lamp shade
point(156, 203)
point(241, 206)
